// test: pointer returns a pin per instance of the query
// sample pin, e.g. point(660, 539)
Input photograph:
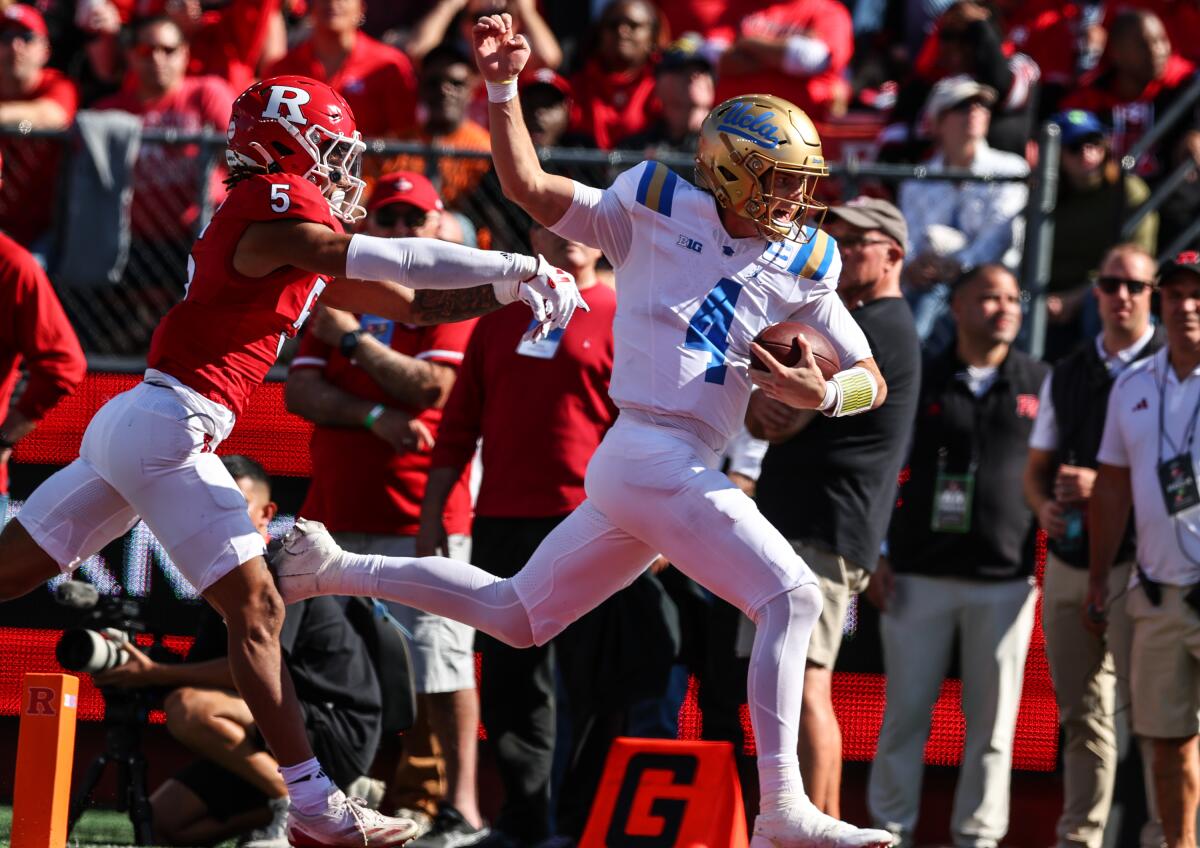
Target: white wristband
point(501, 92)
point(832, 390)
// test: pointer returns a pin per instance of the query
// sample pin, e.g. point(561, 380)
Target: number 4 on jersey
point(709, 328)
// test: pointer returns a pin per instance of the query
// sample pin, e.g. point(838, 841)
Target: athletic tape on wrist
point(856, 391)
point(503, 91)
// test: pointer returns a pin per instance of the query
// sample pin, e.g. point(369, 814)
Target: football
point(780, 342)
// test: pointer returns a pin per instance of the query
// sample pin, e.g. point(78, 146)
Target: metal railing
point(175, 185)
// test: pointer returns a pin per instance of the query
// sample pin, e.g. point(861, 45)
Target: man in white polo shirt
point(1148, 459)
point(1059, 476)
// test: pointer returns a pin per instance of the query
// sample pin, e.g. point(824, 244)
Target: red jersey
point(31, 166)
point(541, 418)
point(359, 484)
point(826, 20)
point(165, 205)
point(610, 106)
point(34, 331)
point(225, 334)
point(377, 81)
point(1131, 119)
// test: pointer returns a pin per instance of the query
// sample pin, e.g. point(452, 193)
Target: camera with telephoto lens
point(109, 622)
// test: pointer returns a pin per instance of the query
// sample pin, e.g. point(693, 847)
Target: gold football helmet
point(761, 157)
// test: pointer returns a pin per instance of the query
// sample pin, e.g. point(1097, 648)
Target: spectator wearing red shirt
point(1137, 80)
point(34, 336)
point(36, 97)
point(165, 207)
point(377, 80)
point(451, 21)
point(541, 410)
point(614, 93)
point(375, 389)
point(796, 49)
point(234, 41)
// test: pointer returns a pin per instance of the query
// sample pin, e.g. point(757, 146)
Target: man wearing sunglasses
point(1095, 198)
point(40, 98)
point(1147, 468)
point(1059, 477)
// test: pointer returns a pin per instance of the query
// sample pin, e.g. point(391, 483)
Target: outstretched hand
point(500, 54)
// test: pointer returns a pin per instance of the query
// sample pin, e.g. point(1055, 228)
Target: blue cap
point(1077, 125)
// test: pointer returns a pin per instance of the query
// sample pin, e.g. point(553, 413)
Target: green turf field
point(97, 827)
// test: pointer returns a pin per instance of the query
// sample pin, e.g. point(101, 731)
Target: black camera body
point(98, 642)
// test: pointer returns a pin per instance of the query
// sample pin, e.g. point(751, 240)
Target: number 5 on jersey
point(710, 326)
point(281, 201)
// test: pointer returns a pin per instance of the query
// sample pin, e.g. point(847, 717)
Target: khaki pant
point(839, 579)
point(992, 624)
point(1088, 695)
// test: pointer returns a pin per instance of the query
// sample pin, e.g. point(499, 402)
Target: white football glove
point(551, 294)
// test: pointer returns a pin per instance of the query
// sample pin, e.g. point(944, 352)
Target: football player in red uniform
point(272, 247)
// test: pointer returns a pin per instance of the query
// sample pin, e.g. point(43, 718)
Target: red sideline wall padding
point(279, 440)
point(267, 431)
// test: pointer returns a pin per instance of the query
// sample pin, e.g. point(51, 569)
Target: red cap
point(405, 187)
point(545, 76)
point(26, 17)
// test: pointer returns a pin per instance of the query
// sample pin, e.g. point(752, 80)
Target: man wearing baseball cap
point(32, 96)
point(1150, 459)
point(404, 204)
point(955, 227)
point(1095, 199)
point(838, 525)
point(375, 389)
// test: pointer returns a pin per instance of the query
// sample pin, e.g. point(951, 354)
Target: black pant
point(517, 692)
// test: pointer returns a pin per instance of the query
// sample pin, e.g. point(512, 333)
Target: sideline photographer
point(236, 788)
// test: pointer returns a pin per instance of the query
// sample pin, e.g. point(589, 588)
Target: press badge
point(544, 349)
point(952, 496)
point(1177, 479)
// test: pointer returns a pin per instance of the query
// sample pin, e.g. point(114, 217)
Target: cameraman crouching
point(235, 788)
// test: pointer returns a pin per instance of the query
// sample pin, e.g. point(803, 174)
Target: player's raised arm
point(501, 56)
point(376, 274)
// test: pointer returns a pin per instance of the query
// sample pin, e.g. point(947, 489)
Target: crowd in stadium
point(998, 453)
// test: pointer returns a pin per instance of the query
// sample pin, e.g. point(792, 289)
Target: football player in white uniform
point(700, 271)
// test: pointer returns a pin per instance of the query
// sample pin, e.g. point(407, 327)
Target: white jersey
point(690, 298)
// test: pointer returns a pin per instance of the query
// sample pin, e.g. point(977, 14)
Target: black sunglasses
point(8, 36)
point(388, 216)
point(1112, 285)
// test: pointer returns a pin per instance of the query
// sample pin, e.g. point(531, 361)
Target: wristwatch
point(349, 342)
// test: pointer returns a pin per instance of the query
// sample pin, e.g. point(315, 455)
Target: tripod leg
point(80, 802)
point(140, 811)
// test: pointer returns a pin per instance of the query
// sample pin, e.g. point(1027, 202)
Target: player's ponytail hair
point(242, 172)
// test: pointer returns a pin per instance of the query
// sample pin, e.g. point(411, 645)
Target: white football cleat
point(804, 826)
point(305, 561)
point(348, 823)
